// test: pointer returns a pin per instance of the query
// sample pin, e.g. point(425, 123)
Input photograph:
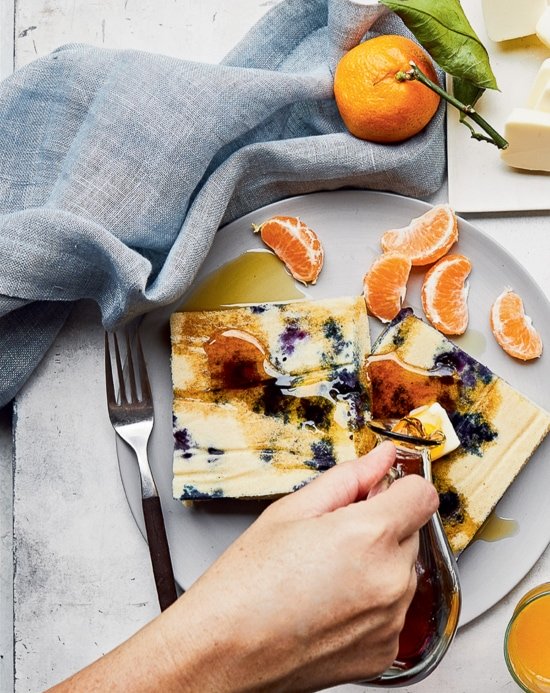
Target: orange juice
point(527, 641)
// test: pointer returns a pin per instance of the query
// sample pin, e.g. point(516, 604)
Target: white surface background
point(82, 580)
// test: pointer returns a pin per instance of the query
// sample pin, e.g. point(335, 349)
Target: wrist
point(224, 648)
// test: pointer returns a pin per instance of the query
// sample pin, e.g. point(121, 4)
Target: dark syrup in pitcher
point(421, 622)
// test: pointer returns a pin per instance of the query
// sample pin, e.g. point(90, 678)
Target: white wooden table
point(82, 581)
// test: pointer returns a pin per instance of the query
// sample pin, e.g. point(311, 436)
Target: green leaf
point(443, 29)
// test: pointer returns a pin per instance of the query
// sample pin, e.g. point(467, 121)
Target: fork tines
point(131, 385)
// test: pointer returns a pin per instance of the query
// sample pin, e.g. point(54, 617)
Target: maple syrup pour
point(440, 384)
point(408, 431)
point(237, 360)
point(456, 378)
point(256, 276)
point(496, 528)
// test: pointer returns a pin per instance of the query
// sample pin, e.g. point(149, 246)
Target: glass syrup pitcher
point(432, 619)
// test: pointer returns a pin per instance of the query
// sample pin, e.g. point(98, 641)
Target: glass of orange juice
point(527, 641)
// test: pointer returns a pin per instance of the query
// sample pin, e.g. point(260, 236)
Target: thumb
point(341, 485)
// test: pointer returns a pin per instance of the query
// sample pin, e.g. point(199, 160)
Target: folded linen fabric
point(117, 167)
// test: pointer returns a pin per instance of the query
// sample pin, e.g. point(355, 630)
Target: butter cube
point(509, 19)
point(528, 135)
point(542, 102)
point(434, 418)
point(538, 96)
point(543, 27)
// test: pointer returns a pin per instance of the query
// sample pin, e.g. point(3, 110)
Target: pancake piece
point(413, 364)
point(267, 396)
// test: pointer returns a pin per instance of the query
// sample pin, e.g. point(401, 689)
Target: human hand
point(315, 592)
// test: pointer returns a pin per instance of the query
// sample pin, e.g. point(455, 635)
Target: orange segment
point(445, 294)
point(426, 238)
point(513, 329)
point(373, 103)
point(385, 285)
point(295, 244)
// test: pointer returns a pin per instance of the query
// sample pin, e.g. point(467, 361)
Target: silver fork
point(131, 414)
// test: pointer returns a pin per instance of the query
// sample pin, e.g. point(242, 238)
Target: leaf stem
point(469, 111)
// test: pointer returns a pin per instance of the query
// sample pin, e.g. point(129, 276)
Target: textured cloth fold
point(117, 167)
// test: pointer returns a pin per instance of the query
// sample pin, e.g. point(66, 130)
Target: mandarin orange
point(445, 294)
point(385, 285)
point(295, 244)
point(426, 238)
point(513, 329)
point(373, 103)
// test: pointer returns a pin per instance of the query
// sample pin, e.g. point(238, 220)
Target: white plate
point(349, 224)
point(478, 180)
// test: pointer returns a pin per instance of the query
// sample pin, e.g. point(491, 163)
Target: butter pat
point(509, 19)
point(542, 102)
point(543, 27)
point(528, 135)
point(539, 97)
point(434, 418)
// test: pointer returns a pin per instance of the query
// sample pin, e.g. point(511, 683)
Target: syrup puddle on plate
point(472, 342)
point(496, 528)
point(256, 276)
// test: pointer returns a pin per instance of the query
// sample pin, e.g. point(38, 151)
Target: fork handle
point(160, 553)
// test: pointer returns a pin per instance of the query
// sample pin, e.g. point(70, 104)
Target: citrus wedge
point(513, 329)
point(385, 285)
point(426, 238)
point(295, 244)
point(445, 294)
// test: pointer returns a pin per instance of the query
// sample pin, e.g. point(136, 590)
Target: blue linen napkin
point(117, 167)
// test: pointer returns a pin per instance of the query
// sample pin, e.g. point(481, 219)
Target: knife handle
point(159, 551)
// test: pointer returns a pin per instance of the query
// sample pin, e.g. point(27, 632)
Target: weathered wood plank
point(82, 582)
point(7, 31)
point(6, 547)
point(7, 49)
point(203, 31)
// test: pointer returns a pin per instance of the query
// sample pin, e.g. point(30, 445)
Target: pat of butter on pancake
point(434, 418)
